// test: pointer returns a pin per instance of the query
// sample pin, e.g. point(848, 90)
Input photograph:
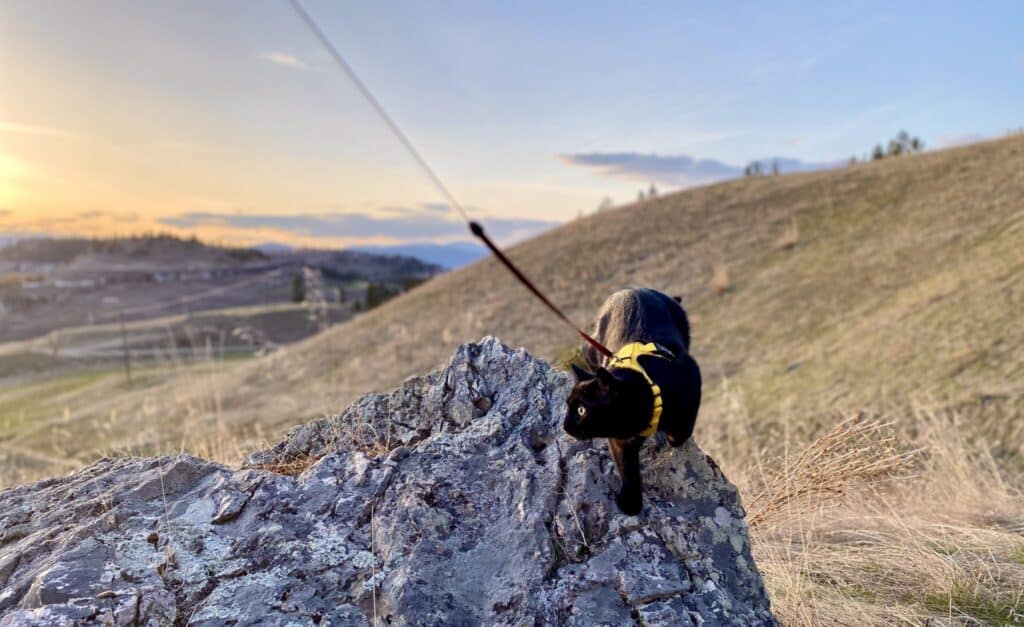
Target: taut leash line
point(478, 231)
point(474, 227)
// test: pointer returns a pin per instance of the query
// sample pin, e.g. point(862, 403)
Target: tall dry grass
point(912, 523)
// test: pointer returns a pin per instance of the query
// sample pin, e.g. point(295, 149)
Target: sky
point(226, 119)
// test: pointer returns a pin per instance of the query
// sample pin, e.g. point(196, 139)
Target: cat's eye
point(582, 411)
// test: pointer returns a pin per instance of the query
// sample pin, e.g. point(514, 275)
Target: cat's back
point(640, 314)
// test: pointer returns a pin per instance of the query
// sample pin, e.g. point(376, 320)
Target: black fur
point(617, 403)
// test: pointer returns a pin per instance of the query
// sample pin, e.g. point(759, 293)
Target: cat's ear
point(581, 374)
point(604, 376)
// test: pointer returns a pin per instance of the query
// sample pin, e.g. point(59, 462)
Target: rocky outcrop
point(455, 500)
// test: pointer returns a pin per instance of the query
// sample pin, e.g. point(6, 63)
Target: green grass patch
point(1018, 554)
point(860, 592)
point(985, 607)
point(27, 401)
point(947, 549)
point(16, 364)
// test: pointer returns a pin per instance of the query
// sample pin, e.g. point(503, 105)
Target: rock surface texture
point(455, 500)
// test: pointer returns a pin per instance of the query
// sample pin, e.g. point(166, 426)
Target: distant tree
point(374, 295)
point(907, 144)
point(370, 298)
point(298, 289)
point(753, 169)
point(902, 144)
point(640, 196)
point(339, 293)
point(652, 192)
point(410, 282)
point(379, 293)
point(775, 167)
point(853, 160)
point(606, 204)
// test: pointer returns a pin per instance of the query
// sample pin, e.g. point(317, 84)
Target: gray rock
point(454, 500)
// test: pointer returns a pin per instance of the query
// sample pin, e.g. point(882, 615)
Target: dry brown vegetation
point(720, 283)
point(899, 305)
point(790, 237)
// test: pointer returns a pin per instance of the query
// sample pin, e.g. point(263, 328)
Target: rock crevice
point(454, 500)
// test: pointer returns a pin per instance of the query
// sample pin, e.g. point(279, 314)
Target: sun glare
point(13, 173)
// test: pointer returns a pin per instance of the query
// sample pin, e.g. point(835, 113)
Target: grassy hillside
point(853, 326)
point(907, 282)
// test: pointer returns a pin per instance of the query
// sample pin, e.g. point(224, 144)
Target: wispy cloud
point(284, 58)
point(679, 170)
point(408, 225)
point(403, 212)
point(66, 222)
point(674, 170)
point(119, 216)
point(32, 129)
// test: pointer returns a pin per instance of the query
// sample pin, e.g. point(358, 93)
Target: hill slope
point(905, 284)
point(907, 280)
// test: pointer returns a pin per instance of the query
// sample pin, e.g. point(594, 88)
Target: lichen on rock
point(454, 500)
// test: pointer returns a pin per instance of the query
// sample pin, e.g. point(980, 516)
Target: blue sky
point(227, 119)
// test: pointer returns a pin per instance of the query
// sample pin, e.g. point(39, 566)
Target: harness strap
point(627, 357)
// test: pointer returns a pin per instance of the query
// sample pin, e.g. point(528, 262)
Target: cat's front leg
point(626, 454)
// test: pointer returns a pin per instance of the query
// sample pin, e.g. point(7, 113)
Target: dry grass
point(790, 237)
point(898, 262)
point(900, 298)
point(293, 467)
point(933, 546)
point(720, 282)
point(853, 454)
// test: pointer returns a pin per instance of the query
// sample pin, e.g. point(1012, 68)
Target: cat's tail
point(682, 321)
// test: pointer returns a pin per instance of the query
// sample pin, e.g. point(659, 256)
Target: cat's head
point(608, 404)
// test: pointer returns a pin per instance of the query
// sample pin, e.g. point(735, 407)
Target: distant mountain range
point(447, 256)
point(274, 247)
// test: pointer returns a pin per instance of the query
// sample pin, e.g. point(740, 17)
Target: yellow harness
point(626, 357)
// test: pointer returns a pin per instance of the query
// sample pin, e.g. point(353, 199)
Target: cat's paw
point(659, 440)
point(630, 503)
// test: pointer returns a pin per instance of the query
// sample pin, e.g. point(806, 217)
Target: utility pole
point(124, 351)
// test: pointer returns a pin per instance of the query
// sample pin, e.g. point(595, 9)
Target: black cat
point(651, 385)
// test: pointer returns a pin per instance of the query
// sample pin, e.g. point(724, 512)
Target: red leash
point(474, 227)
point(478, 231)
